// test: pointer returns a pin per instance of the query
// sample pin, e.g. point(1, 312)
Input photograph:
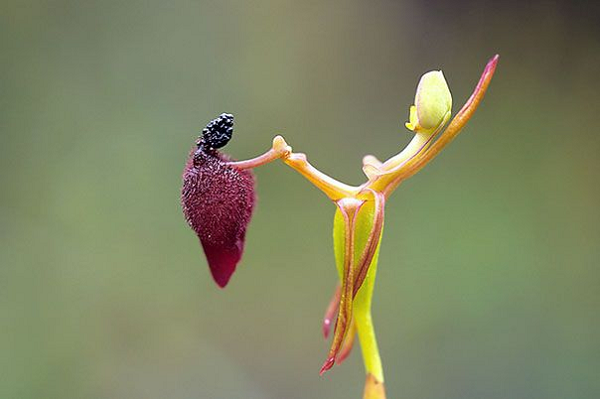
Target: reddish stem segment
point(279, 149)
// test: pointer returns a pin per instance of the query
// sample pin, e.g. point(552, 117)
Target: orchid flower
point(218, 198)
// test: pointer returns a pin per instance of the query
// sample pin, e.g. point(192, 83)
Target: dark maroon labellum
point(217, 202)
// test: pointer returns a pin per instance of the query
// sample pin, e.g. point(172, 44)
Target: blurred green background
point(488, 284)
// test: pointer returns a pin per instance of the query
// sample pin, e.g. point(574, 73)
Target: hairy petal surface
point(217, 202)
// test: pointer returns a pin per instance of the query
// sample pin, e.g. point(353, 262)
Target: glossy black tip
point(218, 132)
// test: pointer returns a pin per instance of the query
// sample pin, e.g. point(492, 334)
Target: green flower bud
point(433, 103)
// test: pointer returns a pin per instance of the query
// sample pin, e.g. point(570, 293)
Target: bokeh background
point(489, 279)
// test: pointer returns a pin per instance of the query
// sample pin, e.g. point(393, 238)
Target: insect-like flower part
point(217, 199)
point(358, 221)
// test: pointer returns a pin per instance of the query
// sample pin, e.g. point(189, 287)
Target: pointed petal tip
point(327, 365)
point(491, 65)
point(220, 278)
point(222, 263)
point(221, 282)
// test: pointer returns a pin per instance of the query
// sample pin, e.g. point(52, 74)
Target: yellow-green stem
point(368, 344)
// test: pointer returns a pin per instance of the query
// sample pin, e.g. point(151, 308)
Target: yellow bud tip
point(433, 103)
